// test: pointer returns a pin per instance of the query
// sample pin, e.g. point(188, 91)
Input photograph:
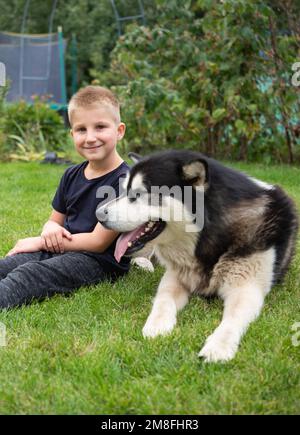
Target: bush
point(28, 130)
point(211, 76)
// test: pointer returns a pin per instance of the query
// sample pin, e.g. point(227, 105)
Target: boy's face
point(95, 132)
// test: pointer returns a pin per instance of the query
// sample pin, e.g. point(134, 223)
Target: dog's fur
point(245, 246)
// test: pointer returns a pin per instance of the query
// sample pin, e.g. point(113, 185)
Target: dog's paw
point(158, 325)
point(218, 349)
point(143, 263)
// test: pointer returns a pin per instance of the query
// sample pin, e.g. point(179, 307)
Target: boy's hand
point(31, 244)
point(52, 236)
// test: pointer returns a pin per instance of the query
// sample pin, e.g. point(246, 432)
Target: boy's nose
point(91, 137)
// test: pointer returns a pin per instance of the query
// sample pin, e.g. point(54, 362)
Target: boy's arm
point(30, 244)
point(58, 239)
point(51, 238)
point(56, 217)
point(96, 241)
point(54, 234)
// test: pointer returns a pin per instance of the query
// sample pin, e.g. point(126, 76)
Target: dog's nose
point(101, 214)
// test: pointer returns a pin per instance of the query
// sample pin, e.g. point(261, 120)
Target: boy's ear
point(121, 130)
point(196, 173)
point(135, 157)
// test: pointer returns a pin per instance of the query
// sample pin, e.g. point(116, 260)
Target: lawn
point(85, 353)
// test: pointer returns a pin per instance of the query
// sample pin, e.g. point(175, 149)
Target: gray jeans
point(24, 277)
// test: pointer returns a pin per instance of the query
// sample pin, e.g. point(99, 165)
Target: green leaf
point(219, 114)
point(240, 126)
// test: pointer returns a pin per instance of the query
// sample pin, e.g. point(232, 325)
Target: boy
point(73, 248)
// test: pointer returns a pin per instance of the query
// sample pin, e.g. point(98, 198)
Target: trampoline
point(35, 63)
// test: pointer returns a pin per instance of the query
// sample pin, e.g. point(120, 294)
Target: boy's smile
point(95, 132)
point(92, 147)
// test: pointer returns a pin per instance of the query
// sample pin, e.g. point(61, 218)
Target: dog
point(234, 239)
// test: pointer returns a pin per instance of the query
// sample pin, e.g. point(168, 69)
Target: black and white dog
point(216, 231)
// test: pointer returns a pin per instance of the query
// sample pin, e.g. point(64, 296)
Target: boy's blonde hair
point(91, 96)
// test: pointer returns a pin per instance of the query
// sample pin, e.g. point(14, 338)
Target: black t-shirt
point(78, 198)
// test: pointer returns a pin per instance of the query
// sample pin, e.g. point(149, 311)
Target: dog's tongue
point(124, 239)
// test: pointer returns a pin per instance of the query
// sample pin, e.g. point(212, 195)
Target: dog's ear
point(135, 157)
point(196, 173)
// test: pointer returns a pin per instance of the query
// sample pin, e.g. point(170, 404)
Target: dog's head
point(161, 195)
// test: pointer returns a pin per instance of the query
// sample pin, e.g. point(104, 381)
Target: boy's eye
point(100, 126)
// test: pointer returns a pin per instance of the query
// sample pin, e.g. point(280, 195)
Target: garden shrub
point(27, 131)
point(211, 76)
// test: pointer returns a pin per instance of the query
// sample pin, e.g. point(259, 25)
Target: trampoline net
point(32, 66)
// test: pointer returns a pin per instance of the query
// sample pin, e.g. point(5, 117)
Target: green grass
point(85, 353)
